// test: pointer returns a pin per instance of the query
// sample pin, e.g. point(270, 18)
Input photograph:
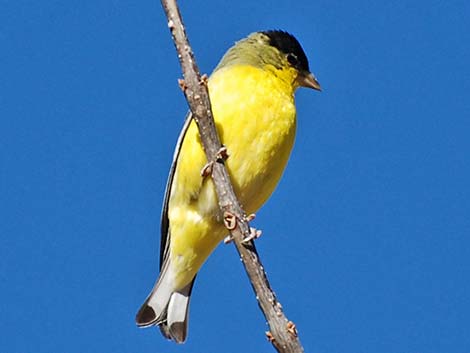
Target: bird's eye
point(292, 59)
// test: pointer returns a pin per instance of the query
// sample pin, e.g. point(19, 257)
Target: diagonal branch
point(283, 334)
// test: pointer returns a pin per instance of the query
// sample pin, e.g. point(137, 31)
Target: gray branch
point(282, 334)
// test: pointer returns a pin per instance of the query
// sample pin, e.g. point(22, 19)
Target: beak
point(308, 80)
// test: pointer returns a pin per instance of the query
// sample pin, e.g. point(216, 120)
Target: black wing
point(165, 234)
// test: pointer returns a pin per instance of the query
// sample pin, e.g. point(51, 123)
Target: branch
point(283, 334)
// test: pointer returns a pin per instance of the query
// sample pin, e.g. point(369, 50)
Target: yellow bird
point(252, 96)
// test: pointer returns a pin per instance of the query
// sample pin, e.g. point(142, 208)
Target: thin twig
point(282, 334)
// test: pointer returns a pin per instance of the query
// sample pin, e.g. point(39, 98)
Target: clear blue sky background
point(366, 241)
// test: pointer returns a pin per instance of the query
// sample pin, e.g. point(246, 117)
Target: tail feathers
point(154, 309)
point(167, 309)
point(176, 325)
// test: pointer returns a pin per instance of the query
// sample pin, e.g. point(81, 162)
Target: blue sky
point(366, 241)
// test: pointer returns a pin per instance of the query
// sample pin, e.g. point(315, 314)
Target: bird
point(252, 98)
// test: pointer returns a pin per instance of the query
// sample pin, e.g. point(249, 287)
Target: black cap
point(290, 46)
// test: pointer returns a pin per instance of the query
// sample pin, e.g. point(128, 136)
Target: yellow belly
point(255, 116)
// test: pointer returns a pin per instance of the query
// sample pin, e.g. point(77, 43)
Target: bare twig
point(282, 334)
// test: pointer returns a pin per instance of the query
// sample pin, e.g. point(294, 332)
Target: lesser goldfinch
point(252, 96)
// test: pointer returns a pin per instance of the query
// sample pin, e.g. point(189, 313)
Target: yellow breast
point(255, 116)
point(257, 127)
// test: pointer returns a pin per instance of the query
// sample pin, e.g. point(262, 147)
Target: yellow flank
point(257, 126)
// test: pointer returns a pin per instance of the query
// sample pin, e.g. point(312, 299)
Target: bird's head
point(274, 50)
